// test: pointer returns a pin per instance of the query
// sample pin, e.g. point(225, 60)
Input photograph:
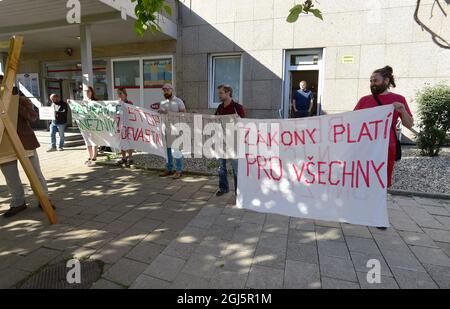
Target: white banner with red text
point(120, 126)
point(331, 167)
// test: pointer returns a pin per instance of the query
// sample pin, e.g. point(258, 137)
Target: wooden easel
point(7, 126)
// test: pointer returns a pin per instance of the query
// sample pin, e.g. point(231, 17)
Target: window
point(71, 73)
point(304, 59)
point(126, 74)
point(225, 69)
point(157, 72)
point(143, 78)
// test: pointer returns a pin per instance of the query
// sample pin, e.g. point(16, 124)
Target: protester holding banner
point(10, 170)
point(227, 107)
point(60, 122)
point(123, 99)
point(91, 147)
point(380, 83)
point(174, 105)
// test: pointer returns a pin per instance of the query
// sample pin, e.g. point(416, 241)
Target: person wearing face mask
point(174, 105)
point(380, 84)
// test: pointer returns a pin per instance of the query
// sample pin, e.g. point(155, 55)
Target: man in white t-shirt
point(171, 103)
point(174, 105)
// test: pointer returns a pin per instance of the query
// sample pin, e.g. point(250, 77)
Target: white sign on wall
point(46, 113)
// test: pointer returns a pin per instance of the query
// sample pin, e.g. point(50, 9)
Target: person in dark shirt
point(227, 107)
point(230, 107)
point(302, 102)
point(60, 122)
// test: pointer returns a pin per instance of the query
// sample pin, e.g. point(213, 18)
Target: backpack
point(398, 146)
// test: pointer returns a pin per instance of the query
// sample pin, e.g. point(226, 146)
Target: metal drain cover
point(55, 276)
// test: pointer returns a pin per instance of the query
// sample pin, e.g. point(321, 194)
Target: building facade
point(102, 51)
point(336, 56)
point(245, 43)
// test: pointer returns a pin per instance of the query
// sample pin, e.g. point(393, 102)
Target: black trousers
point(301, 114)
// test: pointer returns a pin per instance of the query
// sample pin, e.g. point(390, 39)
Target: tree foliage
point(434, 118)
point(147, 13)
point(306, 8)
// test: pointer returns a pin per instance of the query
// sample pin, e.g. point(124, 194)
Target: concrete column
point(86, 57)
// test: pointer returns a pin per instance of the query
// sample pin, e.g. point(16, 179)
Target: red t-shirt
point(231, 109)
point(368, 102)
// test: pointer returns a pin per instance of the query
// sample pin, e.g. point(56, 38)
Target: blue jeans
point(223, 178)
point(57, 127)
point(178, 161)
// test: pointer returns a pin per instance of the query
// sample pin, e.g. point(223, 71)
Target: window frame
point(141, 60)
point(211, 74)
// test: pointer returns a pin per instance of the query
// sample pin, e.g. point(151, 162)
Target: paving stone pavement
point(163, 233)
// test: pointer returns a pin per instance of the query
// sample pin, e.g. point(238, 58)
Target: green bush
point(434, 119)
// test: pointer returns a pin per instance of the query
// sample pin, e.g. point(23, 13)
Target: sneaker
point(177, 175)
point(61, 149)
point(129, 163)
point(91, 163)
point(51, 149)
point(166, 173)
point(14, 211)
point(220, 193)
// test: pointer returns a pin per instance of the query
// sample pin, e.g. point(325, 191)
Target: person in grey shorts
point(10, 170)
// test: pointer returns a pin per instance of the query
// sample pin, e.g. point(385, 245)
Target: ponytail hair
point(387, 72)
